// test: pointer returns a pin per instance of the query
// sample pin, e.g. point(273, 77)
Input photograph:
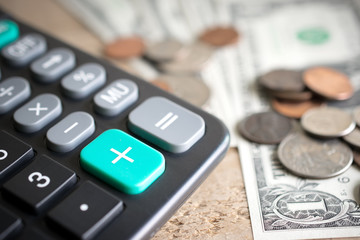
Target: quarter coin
point(312, 158)
point(265, 127)
point(353, 138)
point(356, 115)
point(220, 36)
point(283, 80)
point(163, 51)
point(328, 83)
point(327, 122)
point(294, 109)
point(356, 154)
point(125, 48)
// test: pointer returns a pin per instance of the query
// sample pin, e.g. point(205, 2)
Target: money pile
point(328, 139)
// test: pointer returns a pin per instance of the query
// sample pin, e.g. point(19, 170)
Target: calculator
point(88, 151)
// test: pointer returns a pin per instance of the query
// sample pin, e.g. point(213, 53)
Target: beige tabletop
point(218, 209)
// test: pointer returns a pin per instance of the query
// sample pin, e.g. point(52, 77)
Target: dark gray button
point(84, 80)
point(53, 65)
point(166, 124)
point(70, 132)
point(116, 97)
point(13, 91)
point(37, 113)
point(25, 49)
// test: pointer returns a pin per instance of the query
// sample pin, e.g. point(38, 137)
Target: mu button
point(122, 161)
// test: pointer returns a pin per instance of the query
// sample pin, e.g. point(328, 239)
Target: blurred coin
point(312, 158)
point(161, 84)
point(191, 89)
point(294, 109)
point(265, 127)
point(328, 83)
point(356, 155)
point(163, 51)
point(353, 138)
point(220, 36)
point(192, 61)
point(283, 80)
point(327, 122)
point(292, 96)
point(349, 103)
point(125, 48)
point(356, 115)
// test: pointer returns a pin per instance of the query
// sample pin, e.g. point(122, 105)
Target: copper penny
point(294, 109)
point(283, 80)
point(125, 48)
point(220, 36)
point(328, 83)
point(292, 96)
point(161, 84)
point(265, 127)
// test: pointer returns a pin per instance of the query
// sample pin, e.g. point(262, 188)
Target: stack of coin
point(329, 138)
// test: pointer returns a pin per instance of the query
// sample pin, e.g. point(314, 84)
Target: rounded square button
point(122, 161)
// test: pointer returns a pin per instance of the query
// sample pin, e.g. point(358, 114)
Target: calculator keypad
point(13, 91)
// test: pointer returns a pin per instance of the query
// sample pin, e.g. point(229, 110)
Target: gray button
point(70, 132)
point(25, 49)
point(166, 124)
point(37, 113)
point(116, 97)
point(84, 80)
point(13, 91)
point(53, 65)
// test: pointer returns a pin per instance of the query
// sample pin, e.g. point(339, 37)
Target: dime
point(192, 61)
point(283, 80)
point(294, 109)
point(353, 138)
point(163, 51)
point(328, 83)
point(265, 127)
point(327, 122)
point(308, 157)
point(356, 115)
point(191, 89)
point(220, 36)
point(349, 103)
point(125, 48)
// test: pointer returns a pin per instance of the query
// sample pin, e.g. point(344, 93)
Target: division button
point(10, 224)
point(37, 113)
point(122, 161)
point(25, 49)
point(84, 80)
point(9, 32)
point(13, 154)
point(116, 97)
point(70, 132)
point(86, 211)
point(38, 185)
point(166, 124)
point(13, 91)
point(53, 65)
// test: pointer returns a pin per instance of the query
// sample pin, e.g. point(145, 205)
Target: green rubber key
point(122, 161)
point(9, 32)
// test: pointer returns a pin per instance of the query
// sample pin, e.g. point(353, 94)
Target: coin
point(163, 51)
point(291, 96)
point(191, 89)
point(312, 158)
point(356, 115)
point(356, 155)
point(353, 138)
point(349, 103)
point(328, 83)
point(294, 109)
point(125, 48)
point(193, 59)
point(327, 122)
point(220, 36)
point(161, 84)
point(265, 127)
point(282, 80)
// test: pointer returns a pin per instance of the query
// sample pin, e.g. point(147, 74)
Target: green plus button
point(9, 32)
point(122, 161)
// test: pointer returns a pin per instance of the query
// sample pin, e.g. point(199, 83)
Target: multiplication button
point(166, 124)
point(122, 161)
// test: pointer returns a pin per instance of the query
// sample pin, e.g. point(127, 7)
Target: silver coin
point(192, 61)
point(356, 115)
point(327, 122)
point(191, 89)
point(312, 158)
point(166, 50)
point(349, 103)
point(353, 138)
